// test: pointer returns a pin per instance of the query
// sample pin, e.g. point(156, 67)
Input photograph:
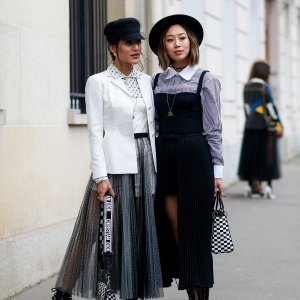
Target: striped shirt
point(187, 80)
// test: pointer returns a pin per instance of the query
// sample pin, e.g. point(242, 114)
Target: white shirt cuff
point(100, 179)
point(218, 171)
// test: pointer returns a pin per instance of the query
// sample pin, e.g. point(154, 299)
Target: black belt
point(141, 135)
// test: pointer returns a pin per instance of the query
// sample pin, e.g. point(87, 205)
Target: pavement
point(265, 263)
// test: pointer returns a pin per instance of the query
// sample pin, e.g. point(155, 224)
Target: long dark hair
point(260, 69)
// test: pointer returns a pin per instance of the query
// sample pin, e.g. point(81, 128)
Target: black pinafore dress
point(184, 169)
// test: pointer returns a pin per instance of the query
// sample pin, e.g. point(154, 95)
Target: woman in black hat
point(189, 155)
point(120, 112)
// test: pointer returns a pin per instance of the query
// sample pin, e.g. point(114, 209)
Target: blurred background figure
point(259, 159)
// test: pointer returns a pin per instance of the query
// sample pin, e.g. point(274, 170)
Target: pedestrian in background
point(189, 155)
point(259, 153)
point(120, 112)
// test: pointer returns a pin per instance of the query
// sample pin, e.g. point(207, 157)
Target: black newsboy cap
point(126, 29)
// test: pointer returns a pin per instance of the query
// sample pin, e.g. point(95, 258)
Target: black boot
point(198, 293)
point(60, 295)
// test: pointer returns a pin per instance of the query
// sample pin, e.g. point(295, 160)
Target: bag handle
point(219, 205)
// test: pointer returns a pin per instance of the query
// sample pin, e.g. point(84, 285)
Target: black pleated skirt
point(259, 158)
point(185, 169)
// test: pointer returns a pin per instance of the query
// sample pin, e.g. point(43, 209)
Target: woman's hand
point(104, 187)
point(219, 187)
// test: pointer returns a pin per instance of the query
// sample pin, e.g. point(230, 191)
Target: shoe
point(269, 193)
point(253, 195)
point(256, 195)
point(247, 191)
point(60, 295)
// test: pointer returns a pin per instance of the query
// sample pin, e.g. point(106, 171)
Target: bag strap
point(155, 80)
point(107, 254)
point(264, 99)
point(200, 83)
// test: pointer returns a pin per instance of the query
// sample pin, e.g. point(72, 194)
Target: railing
point(78, 102)
point(88, 49)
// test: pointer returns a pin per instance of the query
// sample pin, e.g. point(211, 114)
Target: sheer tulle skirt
point(136, 268)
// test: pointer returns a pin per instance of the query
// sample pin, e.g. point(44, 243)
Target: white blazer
point(110, 123)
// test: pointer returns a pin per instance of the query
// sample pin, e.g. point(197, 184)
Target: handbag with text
point(105, 243)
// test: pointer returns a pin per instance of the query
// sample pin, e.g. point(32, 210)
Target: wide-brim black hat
point(159, 28)
point(127, 29)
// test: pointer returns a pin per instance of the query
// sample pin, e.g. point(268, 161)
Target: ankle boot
point(60, 295)
point(269, 193)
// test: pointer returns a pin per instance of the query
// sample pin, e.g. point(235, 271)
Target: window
point(88, 54)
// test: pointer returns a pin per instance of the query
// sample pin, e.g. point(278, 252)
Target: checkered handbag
point(221, 241)
point(104, 292)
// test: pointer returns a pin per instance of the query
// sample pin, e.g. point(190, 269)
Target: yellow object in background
point(260, 110)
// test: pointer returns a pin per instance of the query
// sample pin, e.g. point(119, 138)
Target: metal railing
point(88, 54)
point(78, 102)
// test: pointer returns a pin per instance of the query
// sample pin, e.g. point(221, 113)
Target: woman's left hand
point(219, 187)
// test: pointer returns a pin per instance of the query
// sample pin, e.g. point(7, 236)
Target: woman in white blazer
point(120, 113)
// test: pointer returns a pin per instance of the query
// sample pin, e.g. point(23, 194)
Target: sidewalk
point(266, 261)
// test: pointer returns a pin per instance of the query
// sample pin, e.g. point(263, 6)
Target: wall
point(288, 74)
point(44, 162)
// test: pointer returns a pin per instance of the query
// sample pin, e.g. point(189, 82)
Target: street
point(266, 261)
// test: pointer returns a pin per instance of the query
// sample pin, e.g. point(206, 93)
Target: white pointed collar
point(187, 73)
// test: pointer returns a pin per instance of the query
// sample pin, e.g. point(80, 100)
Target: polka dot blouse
point(130, 80)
